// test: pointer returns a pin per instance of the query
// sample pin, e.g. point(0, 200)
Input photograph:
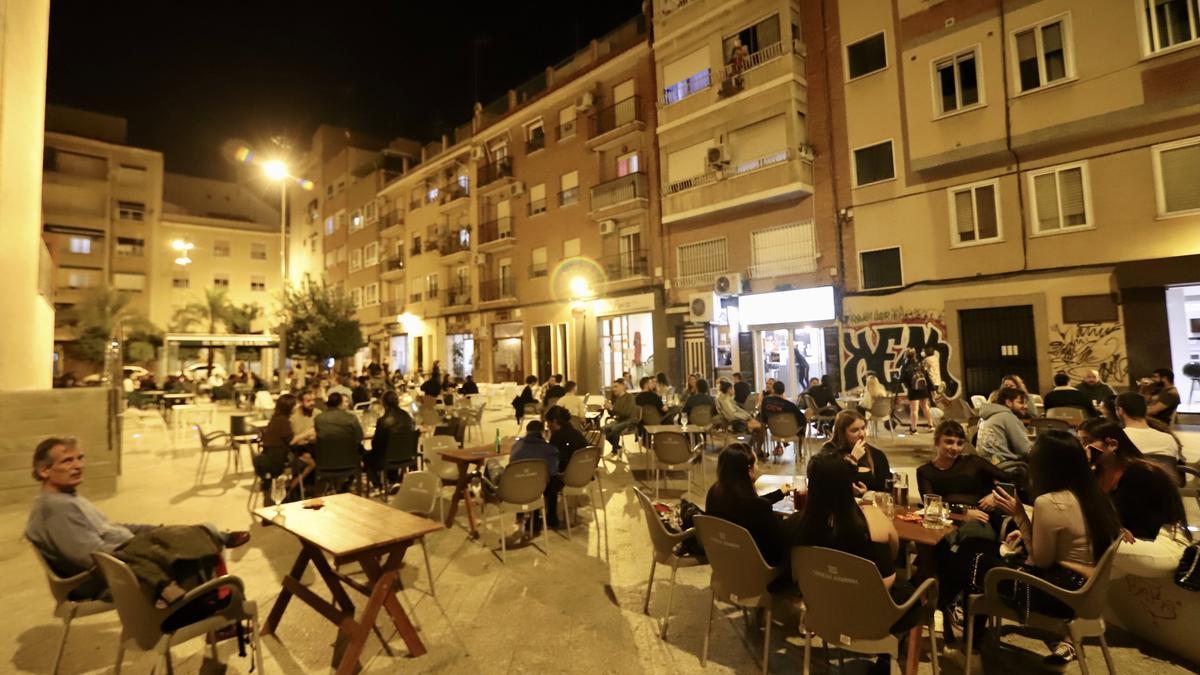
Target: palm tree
point(96, 320)
point(212, 309)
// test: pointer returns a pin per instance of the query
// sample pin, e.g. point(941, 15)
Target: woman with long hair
point(872, 391)
point(276, 443)
point(917, 388)
point(849, 440)
point(734, 498)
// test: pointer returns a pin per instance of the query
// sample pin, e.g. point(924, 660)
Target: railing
point(626, 265)
point(431, 244)
point(392, 307)
point(684, 88)
point(455, 190)
point(539, 270)
point(537, 206)
point(752, 61)
point(705, 178)
point(535, 143)
point(490, 173)
point(390, 218)
point(716, 174)
point(414, 204)
point(456, 297)
point(415, 296)
point(617, 115)
point(568, 196)
point(783, 250)
point(565, 130)
point(496, 289)
point(455, 242)
point(393, 264)
point(625, 188)
point(431, 293)
point(495, 230)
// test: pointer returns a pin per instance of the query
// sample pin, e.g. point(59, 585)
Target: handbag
point(1187, 575)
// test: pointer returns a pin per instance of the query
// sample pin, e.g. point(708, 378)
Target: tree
point(319, 320)
point(212, 309)
point(95, 320)
point(240, 321)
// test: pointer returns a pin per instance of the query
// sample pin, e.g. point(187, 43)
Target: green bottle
point(497, 441)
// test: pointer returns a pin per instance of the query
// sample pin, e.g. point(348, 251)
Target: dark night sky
point(189, 79)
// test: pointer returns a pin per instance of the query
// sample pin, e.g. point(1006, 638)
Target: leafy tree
point(319, 321)
point(95, 319)
point(241, 320)
point(213, 309)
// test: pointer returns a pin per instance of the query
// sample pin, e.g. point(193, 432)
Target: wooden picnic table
point(465, 459)
point(350, 529)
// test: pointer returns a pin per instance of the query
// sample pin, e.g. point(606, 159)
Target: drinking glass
point(279, 491)
point(933, 511)
point(884, 502)
point(800, 494)
point(900, 489)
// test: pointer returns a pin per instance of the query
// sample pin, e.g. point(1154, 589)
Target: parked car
point(135, 372)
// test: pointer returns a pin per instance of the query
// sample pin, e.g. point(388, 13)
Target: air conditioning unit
point(585, 101)
point(805, 152)
point(516, 189)
point(704, 307)
point(727, 285)
point(480, 258)
point(478, 152)
point(608, 227)
point(716, 157)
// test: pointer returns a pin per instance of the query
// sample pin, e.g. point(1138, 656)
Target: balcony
point(456, 297)
point(496, 233)
point(610, 125)
point(774, 177)
point(431, 244)
point(620, 196)
point(776, 64)
point(630, 265)
point(497, 290)
point(392, 268)
point(415, 204)
point(391, 308)
point(568, 196)
point(452, 192)
point(495, 172)
point(455, 246)
point(391, 223)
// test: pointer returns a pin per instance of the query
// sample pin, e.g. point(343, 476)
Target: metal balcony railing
point(617, 115)
point(392, 307)
point(625, 188)
point(728, 171)
point(682, 89)
point(455, 242)
point(390, 218)
point(495, 230)
point(626, 265)
point(752, 61)
point(456, 297)
point(496, 289)
point(393, 264)
point(490, 173)
point(431, 294)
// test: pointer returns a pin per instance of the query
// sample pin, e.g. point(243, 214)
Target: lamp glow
point(275, 169)
point(183, 260)
point(580, 287)
point(182, 246)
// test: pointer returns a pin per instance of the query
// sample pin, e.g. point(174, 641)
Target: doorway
point(508, 353)
point(543, 360)
point(998, 341)
point(1183, 323)
point(398, 353)
point(462, 354)
point(792, 355)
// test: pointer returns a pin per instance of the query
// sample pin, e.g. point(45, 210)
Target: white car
point(134, 372)
point(200, 371)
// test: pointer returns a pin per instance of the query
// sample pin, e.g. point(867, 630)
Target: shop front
point(508, 351)
point(625, 333)
point(398, 353)
point(788, 336)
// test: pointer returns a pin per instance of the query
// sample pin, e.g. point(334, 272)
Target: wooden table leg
point(285, 595)
point(362, 629)
point(400, 620)
point(460, 491)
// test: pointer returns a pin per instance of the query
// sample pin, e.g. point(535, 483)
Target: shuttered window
point(1177, 168)
point(698, 262)
point(758, 141)
point(974, 217)
point(873, 164)
point(782, 250)
point(881, 268)
point(1060, 198)
point(688, 162)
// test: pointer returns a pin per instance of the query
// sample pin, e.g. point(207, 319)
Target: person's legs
point(552, 489)
point(914, 409)
point(928, 414)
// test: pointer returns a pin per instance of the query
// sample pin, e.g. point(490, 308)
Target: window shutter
point(985, 211)
point(1070, 186)
point(964, 215)
point(1046, 188)
point(758, 140)
point(686, 67)
point(1181, 178)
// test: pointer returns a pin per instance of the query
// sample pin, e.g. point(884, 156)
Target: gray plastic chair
point(583, 472)
point(1088, 604)
point(832, 581)
point(419, 494)
point(64, 607)
point(671, 450)
point(1072, 416)
point(881, 413)
point(521, 489)
point(740, 576)
point(141, 621)
point(650, 416)
point(447, 471)
point(752, 402)
point(664, 544)
point(785, 429)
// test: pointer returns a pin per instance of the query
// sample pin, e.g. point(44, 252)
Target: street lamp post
point(276, 170)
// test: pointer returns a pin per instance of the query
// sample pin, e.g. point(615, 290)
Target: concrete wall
point(28, 417)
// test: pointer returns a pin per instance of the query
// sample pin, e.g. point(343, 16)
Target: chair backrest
point(664, 541)
point(207, 436)
point(783, 425)
point(427, 416)
point(881, 407)
point(751, 403)
point(738, 569)
point(594, 437)
point(832, 581)
point(551, 401)
point(364, 406)
point(978, 401)
point(432, 445)
point(418, 493)
point(1072, 416)
point(1089, 601)
point(402, 445)
point(1035, 401)
point(582, 467)
point(671, 447)
point(1041, 424)
point(1190, 487)
point(337, 453)
point(651, 415)
point(701, 415)
point(140, 619)
point(1168, 464)
point(524, 481)
point(60, 587)
point(1019, 470)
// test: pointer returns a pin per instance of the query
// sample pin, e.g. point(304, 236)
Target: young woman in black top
point(964, 480)
point(525, 398)
point(849, 439)
point(734, 498)
point(276, 443)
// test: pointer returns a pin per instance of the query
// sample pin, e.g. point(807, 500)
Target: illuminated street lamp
point(580, 288)
point(182, 247)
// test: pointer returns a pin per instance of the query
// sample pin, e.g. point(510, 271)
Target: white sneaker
point(1062, 656)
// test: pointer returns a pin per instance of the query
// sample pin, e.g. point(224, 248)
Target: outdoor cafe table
point(350, 529)
point(465, 458)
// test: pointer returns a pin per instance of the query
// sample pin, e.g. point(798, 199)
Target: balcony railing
point(390, 218)
point(625, 188)
point(568, 196)
point(618, 115)
point(454, 191)
point(455, 242)
point(752, 61)
point(457, 297)
point(414, 204)
point(393, 264)
point(496, 289)
point(539, 270)
point(684, 88)
point(626, 265)
point(715, 174)
point(535, 143)
point(431, 244)
point(490, 173)
point(431, 293)
point(415, 296)
point(537, 206)
point(495, 230)
point(392, 307)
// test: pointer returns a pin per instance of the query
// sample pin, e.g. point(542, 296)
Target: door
point(631, 253)
point(399, 353)
point(627, 164)
point(623, 100)
point(419, 349)
point(996, 342)
point(696, 351)
point(543, 351)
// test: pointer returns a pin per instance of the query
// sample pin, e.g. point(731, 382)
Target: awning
point(1184, 269)
point(220, 340)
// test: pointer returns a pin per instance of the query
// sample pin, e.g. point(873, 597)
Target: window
point(569, 192)
point(220, 249)
point(627, 164)
point(538, 266)
point(356, 220)
point(1170, 22)
point(416, 245)
point(341, 254)
point(221, 280)
point(784, 249)
point(180, 280)
point(371, 254)
point(867, 56)
point(686, 164)
point(431, 193)
point(355, 259)
point(537, 199)
point(974, 214)
point(571, 248)
point(135, 211)
point(686, 76)
point(757, 145)
point(739, 47)
point(329, 192)
point(1177, 177)
point(881, 268)
point(431, 285)
point(81, 279)
point(258, 251)
point(133, 283)
point(506, 278)
point(1060, 198)
point(498, 149)
point(698, 262)
point(535, 136)
point(956, 82)
point(330, 259)
point(566, 123)
point(873, 164)
point(131, 247)
point(371, 294)
point(341, 219)
point(330, 226)
point(356, 297)
point(258, 283)
point(341, 185)
point(1041, 53)
point(1090, 308)
point(370, 212)
point(81, 245)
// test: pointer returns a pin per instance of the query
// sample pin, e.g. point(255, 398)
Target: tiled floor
point(568, 612)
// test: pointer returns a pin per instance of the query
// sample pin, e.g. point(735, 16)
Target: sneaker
point(1061, 657)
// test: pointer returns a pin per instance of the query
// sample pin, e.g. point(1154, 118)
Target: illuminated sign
point(802, 305)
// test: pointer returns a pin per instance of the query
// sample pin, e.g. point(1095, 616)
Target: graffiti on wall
point(877, 345)
point(1079, 347)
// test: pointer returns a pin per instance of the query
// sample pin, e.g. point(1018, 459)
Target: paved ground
point(570, 612)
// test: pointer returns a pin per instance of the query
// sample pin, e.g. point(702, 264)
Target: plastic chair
point(1189, 490)
point(1042, 424)
point(752, 402)
point(832, 581)
point(1072, 416)
point(431, 447)
point(338, 459)
point(402, 448)
point(881, 412)
point(1088, 604)
point(671, 450)
point(650, 417)
point(821, 419)
point(583, 472)
point(978, 401)
point(785, 428)
point(64, 607)
point(521, 490)
point(419, 494)
point(141, 621)
point(664, 544)
point(740, 576)
point(216, 441)
point(1035, 402)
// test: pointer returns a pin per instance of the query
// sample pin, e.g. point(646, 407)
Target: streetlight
point(182, 247)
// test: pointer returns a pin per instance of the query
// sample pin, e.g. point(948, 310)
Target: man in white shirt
point(1131, 410)
point(572, 402)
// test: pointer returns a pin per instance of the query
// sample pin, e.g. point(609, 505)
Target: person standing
point(916, 385)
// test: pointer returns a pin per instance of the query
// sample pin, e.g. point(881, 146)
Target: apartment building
point(1016, 182)
point(750, 271)
point(101, 203)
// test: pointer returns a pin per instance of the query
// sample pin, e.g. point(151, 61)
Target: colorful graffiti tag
point(877, 347)
point(1078, 348)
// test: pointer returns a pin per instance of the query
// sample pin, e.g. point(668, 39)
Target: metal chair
point(64, 607)
point(521, 489)
point(1072, 416)
point(141, 621)
point(671, 450)
point(338, 460)
point(881, 413)
point(583, 472)
point(431, 448)
point(832, 581)
point(740, 576)
point(216, 441)
point(664, 544)
point(785, 428)
point(1087, 603)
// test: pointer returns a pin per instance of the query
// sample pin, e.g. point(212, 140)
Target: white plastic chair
point(582, 473)
point(978, 401)
point(420, 493)
point(663, 552)
point(431, 448)
point(64, 607)
point(521, 489)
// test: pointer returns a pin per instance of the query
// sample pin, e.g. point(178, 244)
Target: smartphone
point(1009, 489)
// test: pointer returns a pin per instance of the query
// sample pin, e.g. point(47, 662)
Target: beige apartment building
point(1018, 183)
point(101, 204)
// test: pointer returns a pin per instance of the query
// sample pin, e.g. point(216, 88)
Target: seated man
point(776, 404)
point(469, 387)
point(1002, 433)
point(648, 397)
point(1093, 388)
point(533, 445)
point(1166, 400)
point(623, 413)
point(1065, 396)
point(572, 401)
point(66, 528)
point(733, 415)
point(699, 399)
point(554, 391)
point(1132, 413)
point(360, 393)
point(822, 394)
point(741, 389)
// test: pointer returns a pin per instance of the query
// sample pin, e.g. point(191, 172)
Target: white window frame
point(1087, 200)
point(355, 259)
point(255, 250)
point(222, 248)
point(368, 301)
point(862, 284)
point(356, 297)
point(356, 220)
point(975, 50)
point(1068, 54)
point(371, 254)
point(220, 277)
point(370, 212)
point(854, 162)
point(84, 245)
point(994, 183)
point(887, 61)
point(1160, 196)
point(528, 127)
point(1147, 32)
point(260, 281)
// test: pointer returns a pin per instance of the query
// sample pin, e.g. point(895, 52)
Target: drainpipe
point(833, 174)
point(1008, 145)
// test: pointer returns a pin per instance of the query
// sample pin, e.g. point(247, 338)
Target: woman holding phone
point(849, 439)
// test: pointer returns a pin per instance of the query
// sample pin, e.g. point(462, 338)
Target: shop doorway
point(543, 352)
point(998, 341)
point(508, 353)
point(790, 354)
point(1183, 324)
point(462, 354)
point(398, 353)
point(626, 346)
